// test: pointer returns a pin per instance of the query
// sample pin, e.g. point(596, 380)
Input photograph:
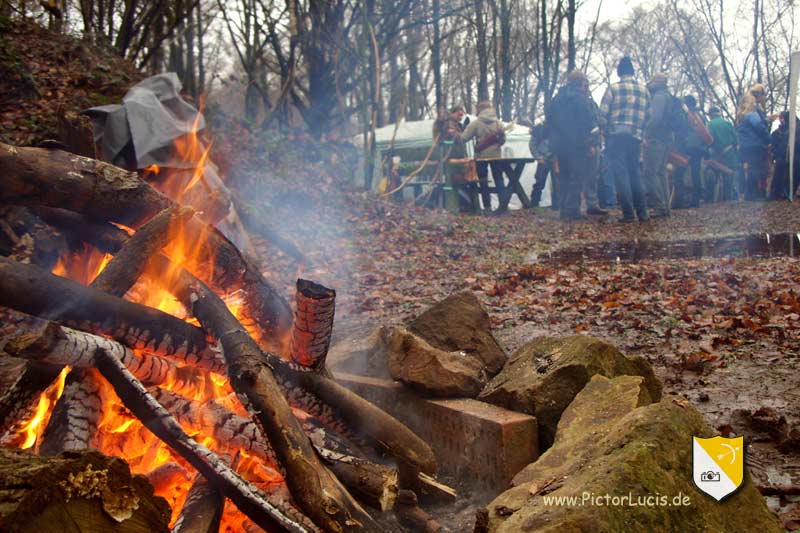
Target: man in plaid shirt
point(622, 117)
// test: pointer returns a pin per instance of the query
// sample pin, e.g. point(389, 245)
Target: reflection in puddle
point(761, 246)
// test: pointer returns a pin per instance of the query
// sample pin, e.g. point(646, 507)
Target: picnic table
point(515, 165)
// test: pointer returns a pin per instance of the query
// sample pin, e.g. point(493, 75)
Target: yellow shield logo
point(718, 465)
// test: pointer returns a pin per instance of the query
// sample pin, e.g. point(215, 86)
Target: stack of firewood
point(51, 322)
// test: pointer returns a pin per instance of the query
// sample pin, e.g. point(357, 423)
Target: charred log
point(372, 483)
point(45, 341)
point(78, 228)
point(323, 397)
point(213, 419)
point(76, 415)
point(317, 491)
point(31, 290)
point(24, 236)
point(124, 269)
point(36, 176)
point(202, 511)
point(88, 490)
point(247, 497)
point(313, 324)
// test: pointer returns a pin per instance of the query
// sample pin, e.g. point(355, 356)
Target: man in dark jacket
point(658, 138)
point(574, 137)
point(779, 190)
point(622, 117)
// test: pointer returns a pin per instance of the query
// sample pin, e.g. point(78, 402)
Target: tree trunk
point(483, 59)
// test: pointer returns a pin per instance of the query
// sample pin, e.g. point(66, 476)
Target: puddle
point(760, 246)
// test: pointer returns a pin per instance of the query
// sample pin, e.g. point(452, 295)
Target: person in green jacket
point(724, 150)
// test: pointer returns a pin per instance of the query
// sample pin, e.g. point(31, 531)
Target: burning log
point(213, 419)
point(319, 493)
point(313, 324)
point(41, 177)
point(202, 511)
point(29, 289)
point(128, 264)
point(313, 392)
point(45, 341)
point(247, 497)
point(20, 397)
point(76, 227)
point(76, 415)
point(374, 484)
point(87, 490)
point(167, 474)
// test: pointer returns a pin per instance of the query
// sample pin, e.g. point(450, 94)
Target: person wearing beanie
point(724, 150)
point(575, 138)
point(658, 138)
point(623, 113)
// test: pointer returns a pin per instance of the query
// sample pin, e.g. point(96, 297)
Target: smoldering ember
point(405, 266)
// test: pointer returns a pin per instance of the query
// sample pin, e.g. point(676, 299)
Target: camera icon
point(709, 476)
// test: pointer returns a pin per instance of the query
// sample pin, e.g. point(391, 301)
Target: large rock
point(612, 441)
point(438, 373)
point(459, 323)
point(544, 376)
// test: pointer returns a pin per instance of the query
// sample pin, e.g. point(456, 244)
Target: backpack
point(677, 118)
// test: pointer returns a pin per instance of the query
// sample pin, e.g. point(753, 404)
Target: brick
point(481, 444)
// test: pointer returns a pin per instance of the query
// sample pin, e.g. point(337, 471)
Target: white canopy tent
point(418, 135)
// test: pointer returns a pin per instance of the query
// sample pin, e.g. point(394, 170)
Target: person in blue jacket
point(752, 128)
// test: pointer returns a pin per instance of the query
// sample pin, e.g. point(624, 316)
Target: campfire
point(153, 338)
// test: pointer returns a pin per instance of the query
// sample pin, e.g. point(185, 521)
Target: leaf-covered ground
point(721, 330)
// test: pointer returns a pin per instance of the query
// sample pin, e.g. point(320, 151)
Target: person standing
point(696, 146)
point(724, 149)
point(622, 117)
point(540, 149)
point(575, 139)
point(489, 137)
point(658, 138)
point(752, 128)
point(779, 190)
point(447, 131)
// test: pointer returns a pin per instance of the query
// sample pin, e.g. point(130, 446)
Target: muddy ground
point(711, 296)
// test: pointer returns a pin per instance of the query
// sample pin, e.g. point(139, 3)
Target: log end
point(35, 341)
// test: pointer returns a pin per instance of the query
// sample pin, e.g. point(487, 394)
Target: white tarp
point(418, 134)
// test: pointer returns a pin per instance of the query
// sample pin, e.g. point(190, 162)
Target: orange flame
point(33, 428)
point(119, 432)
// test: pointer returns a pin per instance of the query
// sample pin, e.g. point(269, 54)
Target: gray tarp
point(142, 132)
point(152, 115)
